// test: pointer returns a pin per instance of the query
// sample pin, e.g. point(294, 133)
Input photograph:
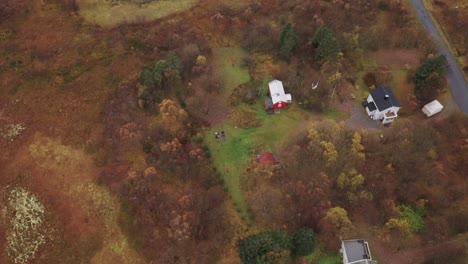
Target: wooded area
point(109, 136)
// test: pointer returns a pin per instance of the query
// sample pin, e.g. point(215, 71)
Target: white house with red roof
point(278, 98)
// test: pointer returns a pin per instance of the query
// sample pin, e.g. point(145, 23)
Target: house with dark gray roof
point(382, 105)
point(356, 251)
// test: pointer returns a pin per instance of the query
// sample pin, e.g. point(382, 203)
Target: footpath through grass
point(228, 68)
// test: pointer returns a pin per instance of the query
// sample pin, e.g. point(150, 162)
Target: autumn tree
point(173, 118)
point(260, 201)
point(399, 226)
point(332, 69)
point(351, 183)
point(310, 198)
point(260, 36)
point(338, 217)
point(329, 152)
point(243, 116)
point(357, 149)
point(288, 41)
point(325, 43)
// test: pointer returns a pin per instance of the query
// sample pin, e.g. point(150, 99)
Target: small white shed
point(432, 108)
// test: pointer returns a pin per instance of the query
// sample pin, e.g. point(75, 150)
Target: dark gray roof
point(371, 106)
point(356, 250)
point(384, 98)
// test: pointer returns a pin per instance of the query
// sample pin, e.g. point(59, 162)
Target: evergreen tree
point(428, 78)
point(304, 242)
point(288, 41)
point(325, 43)
point(264, 246)
point(156, 80)
point(254, 247)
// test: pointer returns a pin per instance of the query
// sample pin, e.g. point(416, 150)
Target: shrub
point(255, 248)
point(414, 216)
point(243, 116)
point(25, 234)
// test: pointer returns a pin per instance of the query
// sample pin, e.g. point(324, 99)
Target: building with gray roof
point(356, 251)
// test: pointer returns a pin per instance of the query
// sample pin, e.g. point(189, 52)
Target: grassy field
point(231, 157)
point(105, 14)
point(228, 68)
point(333, 113)
point(321, 257)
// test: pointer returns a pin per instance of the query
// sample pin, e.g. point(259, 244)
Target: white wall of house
point(343, 251)
point(379, 115)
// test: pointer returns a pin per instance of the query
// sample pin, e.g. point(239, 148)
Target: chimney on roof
point(386, 96)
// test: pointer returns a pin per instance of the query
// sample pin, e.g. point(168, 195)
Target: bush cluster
point(270, 246)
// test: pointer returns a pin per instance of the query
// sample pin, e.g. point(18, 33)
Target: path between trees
point(456, 80)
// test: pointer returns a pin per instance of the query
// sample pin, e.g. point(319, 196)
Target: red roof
point(267, 158)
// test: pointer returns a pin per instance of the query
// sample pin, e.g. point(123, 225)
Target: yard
point(231, 157)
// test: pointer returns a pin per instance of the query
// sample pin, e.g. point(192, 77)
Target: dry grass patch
point(67, 177)
point(114, 13)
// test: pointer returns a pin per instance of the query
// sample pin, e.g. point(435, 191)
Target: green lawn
point(227, 65)
point(232, 156)
point(319, 256)
point(332, 113)
point(330, 260)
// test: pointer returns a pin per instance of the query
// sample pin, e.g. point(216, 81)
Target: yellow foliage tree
point(356, 147)
point(173, 118)
point(351, 182)
point(201, 60)
point(330, 153)
point(172, 148)
point(401, 226)
point(338, 217)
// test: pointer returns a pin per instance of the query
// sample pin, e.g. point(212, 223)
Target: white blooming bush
point(11, 131)
point(24, 235)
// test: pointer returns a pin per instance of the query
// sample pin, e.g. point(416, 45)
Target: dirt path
point(359, 120)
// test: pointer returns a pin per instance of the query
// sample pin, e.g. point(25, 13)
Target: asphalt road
point(455, 78)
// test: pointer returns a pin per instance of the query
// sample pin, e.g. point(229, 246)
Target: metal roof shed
point(432, 108)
